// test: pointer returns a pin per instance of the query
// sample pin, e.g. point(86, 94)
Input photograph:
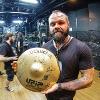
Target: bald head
point(58, 13)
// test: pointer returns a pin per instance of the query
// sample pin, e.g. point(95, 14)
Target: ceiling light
point(30, 1)
point(2, 22)
point(17, 21)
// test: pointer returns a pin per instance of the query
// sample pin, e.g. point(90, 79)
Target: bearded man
point(7, 55)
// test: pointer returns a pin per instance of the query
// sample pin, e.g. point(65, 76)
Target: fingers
point(46, 92)
point(16, 58)
point(52, 89)
point(14, 65)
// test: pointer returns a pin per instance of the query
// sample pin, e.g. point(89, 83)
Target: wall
point(85, 25)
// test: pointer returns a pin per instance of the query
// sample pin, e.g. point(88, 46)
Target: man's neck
point(8, 42)
point(66, 41)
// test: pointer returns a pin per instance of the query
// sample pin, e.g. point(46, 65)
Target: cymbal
point(37, 69)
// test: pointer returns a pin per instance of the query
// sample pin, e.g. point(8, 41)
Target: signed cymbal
point(37, 69)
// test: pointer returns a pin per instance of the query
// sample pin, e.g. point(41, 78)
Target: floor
point(20, 93)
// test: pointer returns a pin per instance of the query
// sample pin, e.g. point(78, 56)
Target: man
point(19, 43)
point(7, 56)
point(73, 55)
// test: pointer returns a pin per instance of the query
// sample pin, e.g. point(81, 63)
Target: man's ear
point(68, 24)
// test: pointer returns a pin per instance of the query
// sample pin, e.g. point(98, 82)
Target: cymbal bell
point(37, 69)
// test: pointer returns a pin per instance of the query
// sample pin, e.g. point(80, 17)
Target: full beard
point(60, 39)
point(11, 42)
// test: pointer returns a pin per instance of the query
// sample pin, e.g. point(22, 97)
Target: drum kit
point(37, 69)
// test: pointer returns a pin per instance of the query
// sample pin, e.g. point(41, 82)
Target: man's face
point(12, 39)
point(58, 26)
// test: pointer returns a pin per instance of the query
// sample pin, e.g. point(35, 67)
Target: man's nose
point(56, 25)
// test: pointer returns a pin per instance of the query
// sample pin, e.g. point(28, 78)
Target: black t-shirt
point(7, 51)
point(73, 57)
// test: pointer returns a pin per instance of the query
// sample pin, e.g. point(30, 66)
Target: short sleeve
point(3, 50)
point(85, 58)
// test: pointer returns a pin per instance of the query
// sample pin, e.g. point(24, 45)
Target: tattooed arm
point(84, 81)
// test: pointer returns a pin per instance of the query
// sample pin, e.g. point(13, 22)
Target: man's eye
point(52, 24)
point(60, 23)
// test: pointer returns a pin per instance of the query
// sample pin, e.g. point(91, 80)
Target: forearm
point(81, 83)
point(76, 84)
point(5, 59)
